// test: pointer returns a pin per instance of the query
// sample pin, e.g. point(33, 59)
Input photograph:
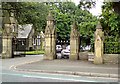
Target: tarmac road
point(9, 75)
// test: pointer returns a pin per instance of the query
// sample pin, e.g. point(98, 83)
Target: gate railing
point(111, 47)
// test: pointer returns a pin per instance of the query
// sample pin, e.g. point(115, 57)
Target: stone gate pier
point(50, 38)
point(74, 42)
point(9, 29)
point(99, 34)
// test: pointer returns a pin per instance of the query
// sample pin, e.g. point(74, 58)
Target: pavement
point(70, 67)
point(14, 68)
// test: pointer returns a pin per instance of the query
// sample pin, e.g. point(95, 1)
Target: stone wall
point(83, 55)
point(111, 58)
point(107, 58)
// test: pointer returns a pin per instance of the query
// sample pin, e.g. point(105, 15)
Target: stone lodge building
point(25, 37)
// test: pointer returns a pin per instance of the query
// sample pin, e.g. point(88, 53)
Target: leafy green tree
point(116, 7)
point(29, 13)
point(65, 13)
point(87, 24)
point(86, 4)
point(110, 20)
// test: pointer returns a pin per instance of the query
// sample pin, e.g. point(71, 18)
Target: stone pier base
point(7, 47)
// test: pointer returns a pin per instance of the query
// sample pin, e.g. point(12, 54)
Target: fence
point(112, 47)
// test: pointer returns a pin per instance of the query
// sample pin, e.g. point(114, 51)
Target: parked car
point(68, 47)
point(58, 48)
point(88, 47)
point(65, 53)
point(19, 53)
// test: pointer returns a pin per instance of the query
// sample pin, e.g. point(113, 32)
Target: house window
point(38, 40)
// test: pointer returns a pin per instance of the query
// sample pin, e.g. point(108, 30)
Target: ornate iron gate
point(18, 47)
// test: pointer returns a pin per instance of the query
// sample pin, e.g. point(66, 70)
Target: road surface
point(10, 75)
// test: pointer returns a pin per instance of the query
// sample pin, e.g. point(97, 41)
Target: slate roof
point(24, 30)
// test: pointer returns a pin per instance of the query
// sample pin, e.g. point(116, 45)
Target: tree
point(86, 4)
point(116, 7)
point(65, 13)
point(29, 13)
point(87, 25)
point(110, 20)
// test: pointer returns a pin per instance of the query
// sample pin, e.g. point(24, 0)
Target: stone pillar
point(74, 42)
point(50, 39)
point(30, 38)
point(7, 47)
point(7, 42)
point(9, 31)
point(98, 59)
point(30, 43)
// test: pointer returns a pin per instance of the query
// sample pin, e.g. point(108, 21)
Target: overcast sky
point(96, 10)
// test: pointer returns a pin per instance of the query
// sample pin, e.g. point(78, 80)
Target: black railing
point(18, 47)
point(92, 47)
point(111, 47)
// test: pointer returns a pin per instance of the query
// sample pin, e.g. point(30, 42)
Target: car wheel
point(65, 57)
point(62, 56)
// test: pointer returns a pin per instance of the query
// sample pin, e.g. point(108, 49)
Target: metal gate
point(18, 49)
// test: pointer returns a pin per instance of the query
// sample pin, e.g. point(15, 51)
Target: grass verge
point(34, 52)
